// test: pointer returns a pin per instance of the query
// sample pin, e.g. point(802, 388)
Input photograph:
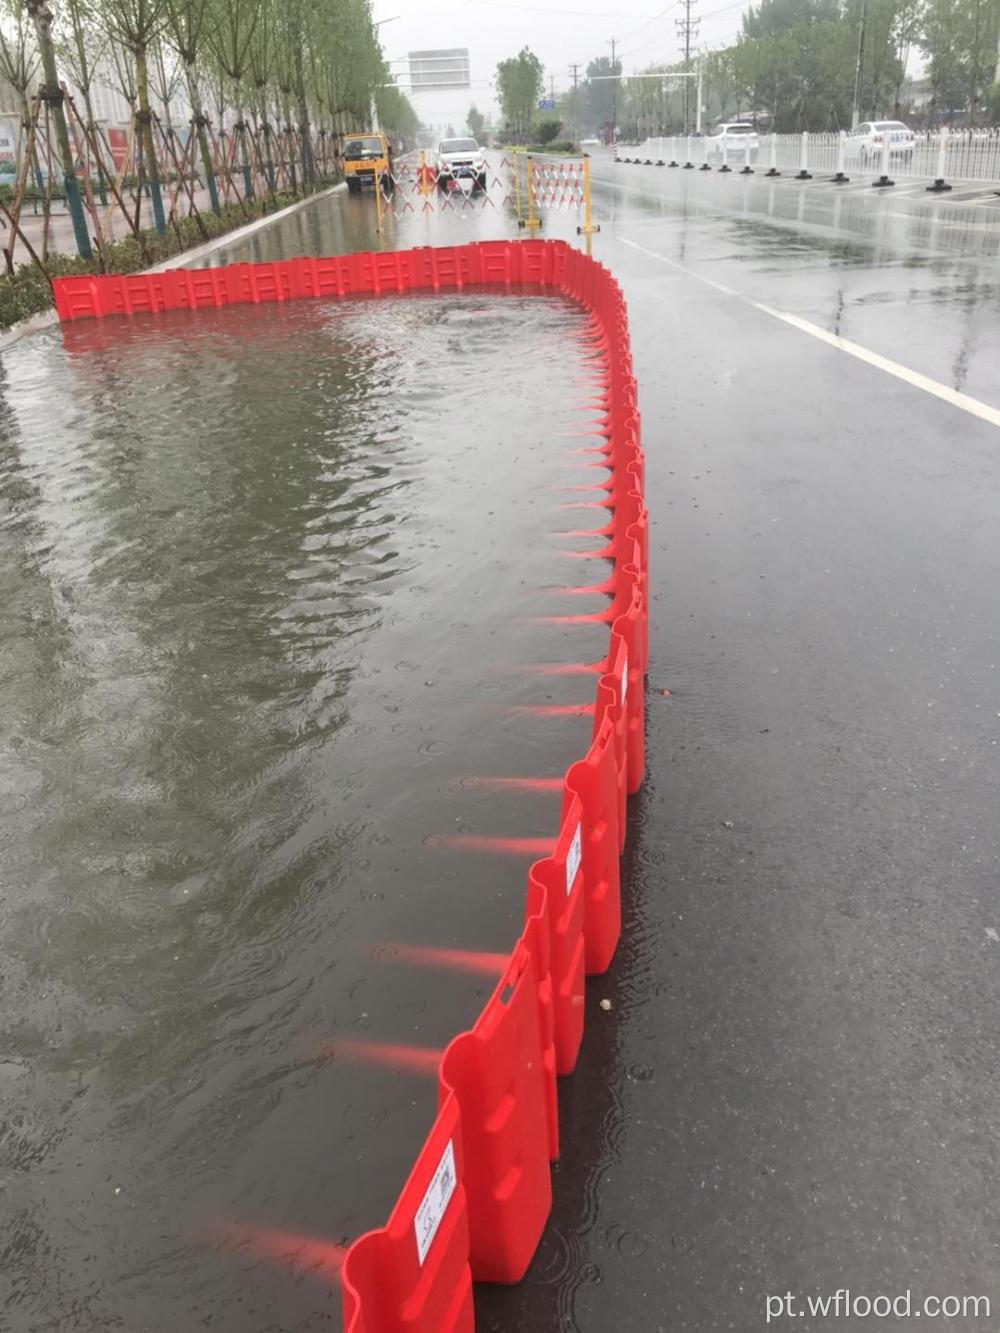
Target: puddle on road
point(273, 583)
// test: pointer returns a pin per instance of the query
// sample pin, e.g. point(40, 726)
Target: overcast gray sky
point(558, 31)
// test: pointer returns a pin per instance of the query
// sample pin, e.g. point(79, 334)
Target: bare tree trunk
point(200, 125)
point(53, 95)
point(145, 118)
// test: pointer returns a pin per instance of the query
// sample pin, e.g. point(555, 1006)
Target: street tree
point(959, 40)
point(396, 113)
point(720, 83)
point(599, 91)
point(80, 44)
point(135, 25)
point(230, 33)
point(19, 62)
point(54, 96)
point(476, 122)
point(185, 27)
point(519, 83)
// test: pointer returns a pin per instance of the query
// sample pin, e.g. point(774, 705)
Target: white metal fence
point(940, 156)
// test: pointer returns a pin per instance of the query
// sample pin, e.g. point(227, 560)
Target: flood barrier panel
point(478, 1196)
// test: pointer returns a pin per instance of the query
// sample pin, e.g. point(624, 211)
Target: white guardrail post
point(940, 184)
point(705, 164)
point(725, 153)
point(884, 180)
point(747, 168)
point(840, 178)
point(804, 172)
point(773, 169)
point(673, 153)
point(688, 164)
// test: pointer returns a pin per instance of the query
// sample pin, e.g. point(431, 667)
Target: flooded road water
point(270, 579)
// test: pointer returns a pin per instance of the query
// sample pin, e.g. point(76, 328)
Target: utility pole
point(687, 28)
point(576, 103)
point(857, 71)
point(614, 91)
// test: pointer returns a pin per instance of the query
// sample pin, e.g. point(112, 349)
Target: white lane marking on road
point(913, 377)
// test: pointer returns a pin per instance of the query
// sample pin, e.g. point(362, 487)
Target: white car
point(729, 142)
point(460, 160)
point(590, 143)
point(866, 143)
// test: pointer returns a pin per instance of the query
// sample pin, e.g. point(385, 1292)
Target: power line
point(544, 9)
point(726, 9)
point(655, 19)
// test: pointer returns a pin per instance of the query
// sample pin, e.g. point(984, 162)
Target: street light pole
point(857, 71)
point(614, 88)
point(374, 105)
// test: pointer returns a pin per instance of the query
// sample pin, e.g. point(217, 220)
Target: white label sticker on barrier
point(573, 858)
point(624, 680)
point(431, 1211)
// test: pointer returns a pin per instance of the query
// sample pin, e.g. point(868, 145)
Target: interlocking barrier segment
point(414, 1273)
point(555, 892)
point(495, 1073)
point(477, 1199)
point(595, 781)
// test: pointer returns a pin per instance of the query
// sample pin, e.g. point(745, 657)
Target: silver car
point(867, 143)
point(731, 141)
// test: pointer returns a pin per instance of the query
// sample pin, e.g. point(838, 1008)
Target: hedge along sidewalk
point(26, 304)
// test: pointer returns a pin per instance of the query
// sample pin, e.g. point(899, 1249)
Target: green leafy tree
point(721, 84)
point(396, 113)
point(476, 122)
point(599, 91)
point(547, 130)
point(959, 39)
point(519, 83)
point(770, 17)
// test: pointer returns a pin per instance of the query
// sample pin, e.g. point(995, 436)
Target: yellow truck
point(364, 155)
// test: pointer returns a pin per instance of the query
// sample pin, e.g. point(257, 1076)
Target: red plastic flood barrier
point(413, 1274)
point(594, 780)
point(426, 268)
point(495, 1073)
point(555, 889)
point(479, 1194)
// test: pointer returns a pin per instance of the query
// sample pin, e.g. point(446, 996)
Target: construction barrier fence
point(524, 185)
point(478, 1196)
point(937, 156)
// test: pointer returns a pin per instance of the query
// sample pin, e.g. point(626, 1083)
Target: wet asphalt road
point(796, 1089)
